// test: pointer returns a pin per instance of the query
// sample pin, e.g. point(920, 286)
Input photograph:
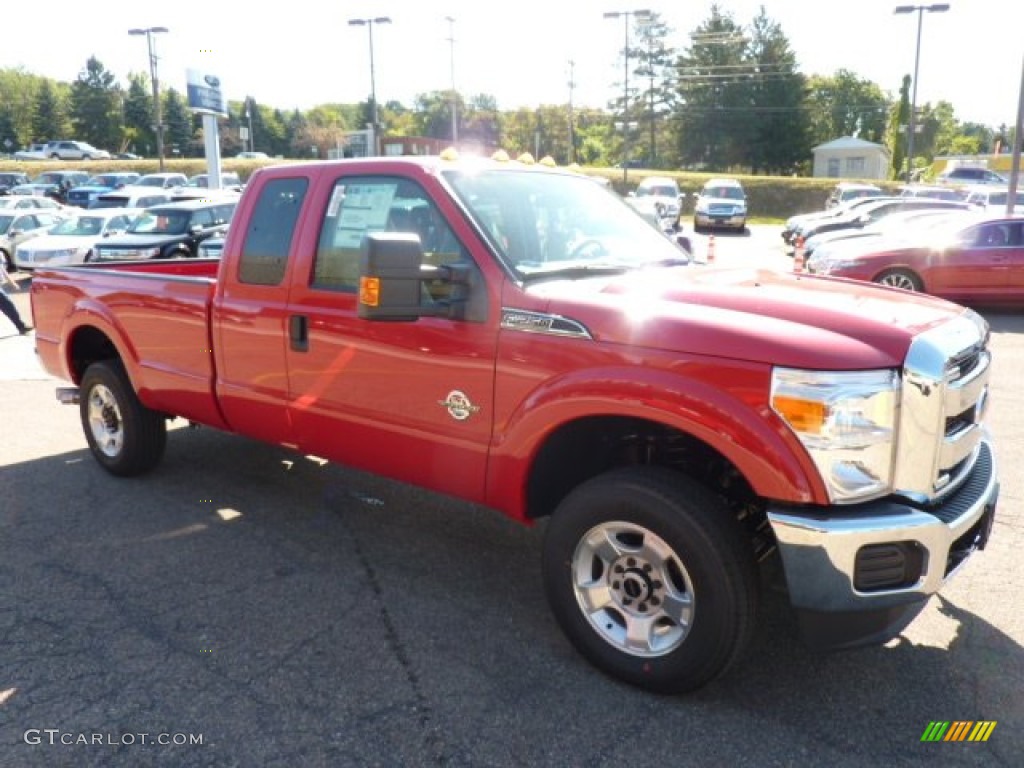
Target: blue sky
point(518, 52)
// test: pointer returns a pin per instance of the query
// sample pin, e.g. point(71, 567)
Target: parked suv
point(84, 194)
point(74, 150)
point(970, 175)
point(53, 184)
point(170, 230)
point(11, 179)
point(721, 203)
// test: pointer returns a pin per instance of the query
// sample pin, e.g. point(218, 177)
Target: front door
point(411, 400)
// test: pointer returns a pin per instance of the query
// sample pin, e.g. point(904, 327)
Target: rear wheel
point(900, 278)
point(651, 579)
point(125, 437)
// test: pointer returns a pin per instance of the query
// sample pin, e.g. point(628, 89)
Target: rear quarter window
point(269, 231)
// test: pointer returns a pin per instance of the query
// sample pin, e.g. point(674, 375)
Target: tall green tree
point(656, 98)
point(713, 123)
point(899, 124)
point(95, 107)
point(177, 118)
point(780, 139)
point(138, 116)
point(48, 118)
point(18, 101)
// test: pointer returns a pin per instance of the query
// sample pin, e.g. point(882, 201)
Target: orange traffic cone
point(710, 258)
point(798, 255)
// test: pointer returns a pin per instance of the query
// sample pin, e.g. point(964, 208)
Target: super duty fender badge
point(458, 405)
point(540, 322)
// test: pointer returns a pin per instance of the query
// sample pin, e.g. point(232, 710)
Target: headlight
point(847, 422)
point(826, 264)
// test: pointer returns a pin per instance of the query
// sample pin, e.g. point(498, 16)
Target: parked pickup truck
point(519, 337)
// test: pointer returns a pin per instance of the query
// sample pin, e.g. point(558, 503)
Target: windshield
point(546, 223)
point(657, 190)
point(47, 178)
point(80, 226)
point(729, 193)
point(5, 223)
point(150, 181)
point(160, 223)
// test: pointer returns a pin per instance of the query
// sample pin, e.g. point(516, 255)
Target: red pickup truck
point(519, 337)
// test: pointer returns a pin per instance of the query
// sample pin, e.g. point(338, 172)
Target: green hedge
point(771, 197)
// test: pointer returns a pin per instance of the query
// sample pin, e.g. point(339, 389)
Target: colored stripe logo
point(959, 730)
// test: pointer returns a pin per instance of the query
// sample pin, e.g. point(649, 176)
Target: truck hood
point(777, 318)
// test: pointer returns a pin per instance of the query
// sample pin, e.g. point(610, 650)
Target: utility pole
point(572, 128)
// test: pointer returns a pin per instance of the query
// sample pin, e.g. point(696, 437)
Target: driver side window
point(361, 205)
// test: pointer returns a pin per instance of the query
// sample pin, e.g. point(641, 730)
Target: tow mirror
point(391, 278)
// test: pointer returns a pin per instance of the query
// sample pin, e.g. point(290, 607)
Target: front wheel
point(900, 278)
point(125, 437)
point(651, 579)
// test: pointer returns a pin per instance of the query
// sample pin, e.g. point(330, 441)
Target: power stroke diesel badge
point(458, 405)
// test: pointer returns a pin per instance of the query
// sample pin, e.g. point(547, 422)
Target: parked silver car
point(74, 150)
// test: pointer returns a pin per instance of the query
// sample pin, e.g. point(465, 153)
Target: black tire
point(675, 545)
point(125, 437)
point(900, 278)
point(9, 264)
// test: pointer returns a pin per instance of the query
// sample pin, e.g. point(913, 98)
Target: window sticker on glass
point(364, 209)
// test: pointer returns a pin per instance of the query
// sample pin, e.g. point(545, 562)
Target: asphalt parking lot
point(245, 606)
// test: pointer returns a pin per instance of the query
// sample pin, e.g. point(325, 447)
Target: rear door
point(412, 400)
point(250, 313)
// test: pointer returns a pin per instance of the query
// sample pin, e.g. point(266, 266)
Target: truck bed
point(157, 315)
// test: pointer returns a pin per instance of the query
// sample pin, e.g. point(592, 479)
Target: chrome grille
point(945, 391)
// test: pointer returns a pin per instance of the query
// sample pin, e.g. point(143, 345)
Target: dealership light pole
point(368, 23)
point(455, 97)
point(642, 16)
point(157, 109)
point(933, 8)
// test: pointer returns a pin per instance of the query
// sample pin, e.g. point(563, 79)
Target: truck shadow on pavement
point(295, 612)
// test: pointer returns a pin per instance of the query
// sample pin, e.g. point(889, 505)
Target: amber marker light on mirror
point(369, 291)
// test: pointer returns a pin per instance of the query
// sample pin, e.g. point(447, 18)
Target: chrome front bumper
point(829, 556)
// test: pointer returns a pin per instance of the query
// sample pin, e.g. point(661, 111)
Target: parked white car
point(75, 150)
point(73, 240)
point(18, 226)
point(994, 199)
point(21, 202)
